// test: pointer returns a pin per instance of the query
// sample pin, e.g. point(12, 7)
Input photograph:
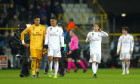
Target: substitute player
point(37, 35)
point(126, 43)
point(54, 36)
point(95, 39)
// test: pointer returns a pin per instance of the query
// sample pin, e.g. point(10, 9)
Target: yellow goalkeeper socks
point(39, 63)
point(33, 66)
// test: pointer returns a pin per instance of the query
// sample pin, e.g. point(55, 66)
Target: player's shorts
point(95, 56)
point(124, 56)
point(75, 54)
point(54, 52)
point(36, 53)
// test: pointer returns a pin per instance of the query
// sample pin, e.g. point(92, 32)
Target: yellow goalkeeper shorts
point(36, 53)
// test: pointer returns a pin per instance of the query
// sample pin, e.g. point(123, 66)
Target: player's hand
point(89, 38)
point(70, 52)
point(117, 53)
point(131, 52)
point(99, 30)
point(62, 48)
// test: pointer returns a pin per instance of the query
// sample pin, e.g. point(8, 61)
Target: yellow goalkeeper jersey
point(37, 35)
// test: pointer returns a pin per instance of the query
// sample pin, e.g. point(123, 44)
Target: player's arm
point(46, 38)
point(61, 35)
point(27, 30)
point(131, 44)
point(104, 33)
point(88, 38)
point(119, 45)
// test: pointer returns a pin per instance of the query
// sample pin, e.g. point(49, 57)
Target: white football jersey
point(54, 36)
point(126, 43)
point(95, 41)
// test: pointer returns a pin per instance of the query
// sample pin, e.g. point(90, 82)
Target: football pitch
point(105, 76)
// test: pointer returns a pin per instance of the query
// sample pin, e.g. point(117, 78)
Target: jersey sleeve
point(27, 30)
point(104, 34)
point(87, 37)
point(131, 43)
point(61, 35)
point(47, 36)
point(119, 44)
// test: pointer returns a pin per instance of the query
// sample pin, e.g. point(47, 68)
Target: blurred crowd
point(14, 11)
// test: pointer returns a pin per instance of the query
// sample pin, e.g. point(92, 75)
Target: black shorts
point(75, 54)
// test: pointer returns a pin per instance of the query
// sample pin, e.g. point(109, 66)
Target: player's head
point(53, 21)
point(36, 20)
point(72, 32)
point(96, 27)
point(125, 30)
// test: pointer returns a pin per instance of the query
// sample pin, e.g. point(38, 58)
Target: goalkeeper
point(37, 35)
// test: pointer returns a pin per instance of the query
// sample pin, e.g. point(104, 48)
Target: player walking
point(37, 35)
point(126, 43)
point(54, 36)
point(95, 38)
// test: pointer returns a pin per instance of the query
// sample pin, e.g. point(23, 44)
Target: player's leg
point(56, 65)
point(39, 61)
point(50, 65)
point(73, 65)
point(127, 63)
point(33, 63)
point(98, 59)
point(82, 65)
point(123, 66)
point(69, 62)
point(33, 66)
point(50, 58)
point(94, 67)
point(122, 58)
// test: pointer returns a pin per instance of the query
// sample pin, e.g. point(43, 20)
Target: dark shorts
point(75, 54)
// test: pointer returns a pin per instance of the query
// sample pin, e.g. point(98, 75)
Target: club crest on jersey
point(50, 28)
point(40, 29)
point(57, 30)
point(33, 28)
point(92, 34)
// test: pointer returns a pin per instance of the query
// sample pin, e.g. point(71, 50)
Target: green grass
point(105, 76)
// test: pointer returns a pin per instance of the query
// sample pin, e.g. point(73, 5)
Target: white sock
point(127, 65)
point(97, 66)
point(123, 66)
point(94, 68)
point(50, 65)
point(56, 65)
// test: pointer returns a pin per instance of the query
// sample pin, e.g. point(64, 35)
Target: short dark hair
point(125, 28)
point(36, 16)
point(53, 18)
point(97, 24)
point(73, 30)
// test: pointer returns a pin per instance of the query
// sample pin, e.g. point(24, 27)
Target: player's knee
point(34, 59)
point(94, 62)
point(56, 59)
point(50, 58)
